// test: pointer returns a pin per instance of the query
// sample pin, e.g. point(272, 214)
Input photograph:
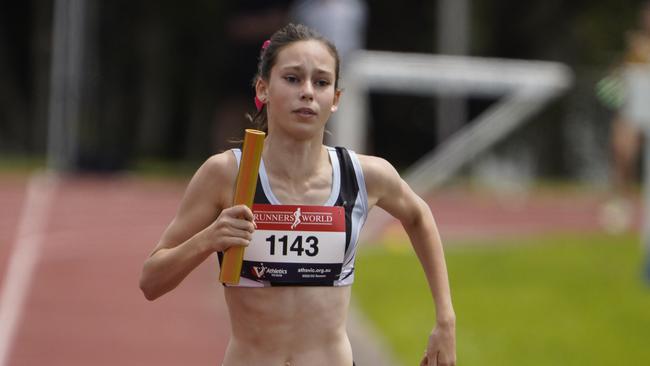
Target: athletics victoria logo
point(294, 217)
point(261, 271)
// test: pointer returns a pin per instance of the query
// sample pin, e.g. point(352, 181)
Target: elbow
point(418, 216)
point(147, 290)
point(147, 286)
point(148, 293)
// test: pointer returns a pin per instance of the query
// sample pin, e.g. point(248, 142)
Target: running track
point(71, 251)
point(83, 305)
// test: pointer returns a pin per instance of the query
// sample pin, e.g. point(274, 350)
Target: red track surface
point(12, 192)
point(84, 306)
point(461, 214)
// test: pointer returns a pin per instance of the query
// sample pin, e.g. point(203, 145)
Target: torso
point(292, 325)
point(288, 326)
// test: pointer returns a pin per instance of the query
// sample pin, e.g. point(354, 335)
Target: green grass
point(556, 300)
point(164, 169)
point(21, 164)
point(157, 169)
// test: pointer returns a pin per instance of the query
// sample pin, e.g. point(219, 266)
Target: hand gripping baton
point(244, 194)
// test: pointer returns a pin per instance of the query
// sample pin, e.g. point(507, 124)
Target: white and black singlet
point(304, 245)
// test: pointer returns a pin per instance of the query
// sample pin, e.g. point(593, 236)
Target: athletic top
point(347, 203)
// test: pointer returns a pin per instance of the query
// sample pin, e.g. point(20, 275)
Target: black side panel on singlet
point(349, 190)
point(260, 197)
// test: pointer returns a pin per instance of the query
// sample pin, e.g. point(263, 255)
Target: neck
point(293, 160)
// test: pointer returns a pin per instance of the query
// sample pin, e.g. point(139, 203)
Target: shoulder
point(388, 190)
point(221, 166)
point(376, 168)
point(216, 177)
point(380, 176)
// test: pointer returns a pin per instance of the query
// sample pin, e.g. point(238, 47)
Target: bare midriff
point(288, 326)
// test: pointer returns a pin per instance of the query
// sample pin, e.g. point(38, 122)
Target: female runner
point(291, 304)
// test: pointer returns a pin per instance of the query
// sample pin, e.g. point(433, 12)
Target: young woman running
point(291, 304)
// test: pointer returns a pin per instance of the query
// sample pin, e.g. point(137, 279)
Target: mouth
point(304, 112)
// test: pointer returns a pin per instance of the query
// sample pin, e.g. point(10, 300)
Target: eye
point(323, 83)
point(291, 79)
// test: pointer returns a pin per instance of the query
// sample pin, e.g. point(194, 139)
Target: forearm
point(427, 244)
point(167, 267)
point(386, 188)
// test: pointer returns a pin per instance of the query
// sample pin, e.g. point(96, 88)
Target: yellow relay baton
point(244, 194)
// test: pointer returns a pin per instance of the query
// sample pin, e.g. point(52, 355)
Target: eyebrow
point(300, 68)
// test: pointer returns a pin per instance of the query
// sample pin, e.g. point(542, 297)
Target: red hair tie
point(258, 104)
point(266, 44)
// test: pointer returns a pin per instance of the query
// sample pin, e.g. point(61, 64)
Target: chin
point(306, 134)
point(306, 130)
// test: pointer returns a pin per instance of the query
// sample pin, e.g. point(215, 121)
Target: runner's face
point(300, 93)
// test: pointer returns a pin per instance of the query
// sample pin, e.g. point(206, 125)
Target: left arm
point(389, 191)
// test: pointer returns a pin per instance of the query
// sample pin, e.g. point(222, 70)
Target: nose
point(307, 91)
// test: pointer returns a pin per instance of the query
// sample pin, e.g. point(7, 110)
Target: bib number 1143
point(282, 243)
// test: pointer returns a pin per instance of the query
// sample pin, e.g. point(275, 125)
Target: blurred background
point(155, 82)
point(542, 228)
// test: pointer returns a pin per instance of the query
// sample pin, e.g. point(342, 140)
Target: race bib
point(296, 244)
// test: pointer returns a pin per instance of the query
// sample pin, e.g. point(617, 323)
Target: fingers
point(239, 233)
point(233, 227)
point(239, 216)
point(445, 360)
point(230, 236)
point(235, 242)
point(441, 350)
point(436, 360)
point(241, 211)
point(241, 224)
point(425, 360)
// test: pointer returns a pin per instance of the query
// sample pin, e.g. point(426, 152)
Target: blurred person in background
point(626, 133)
point(249, 24)
point(341, 21)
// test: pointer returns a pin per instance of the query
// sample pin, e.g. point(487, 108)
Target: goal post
point(525, 87)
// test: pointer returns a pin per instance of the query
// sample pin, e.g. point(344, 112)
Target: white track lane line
point(24, 257)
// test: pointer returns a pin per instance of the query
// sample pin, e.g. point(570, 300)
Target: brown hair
point(285, 36)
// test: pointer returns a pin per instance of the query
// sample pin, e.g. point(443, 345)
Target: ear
point(337, 98)
point(261, 90)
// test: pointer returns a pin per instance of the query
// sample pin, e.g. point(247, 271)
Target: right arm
point(201, 227)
